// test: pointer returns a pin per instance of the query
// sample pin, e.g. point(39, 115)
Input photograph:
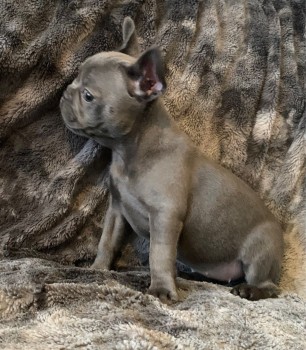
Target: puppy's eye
point(87, 96)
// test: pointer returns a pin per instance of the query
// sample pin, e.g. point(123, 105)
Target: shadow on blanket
point(236, 84)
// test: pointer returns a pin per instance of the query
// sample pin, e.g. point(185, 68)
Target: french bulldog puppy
point(191, 208)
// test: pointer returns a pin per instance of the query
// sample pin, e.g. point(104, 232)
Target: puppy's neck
point(152, 122)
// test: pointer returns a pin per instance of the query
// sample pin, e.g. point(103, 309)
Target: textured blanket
point(236, 74)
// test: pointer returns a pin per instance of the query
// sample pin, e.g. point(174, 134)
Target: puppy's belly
point(224, 271)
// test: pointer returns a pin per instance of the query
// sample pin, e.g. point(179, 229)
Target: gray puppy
point(162, 187)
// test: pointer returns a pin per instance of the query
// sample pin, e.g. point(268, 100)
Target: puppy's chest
point(128, 197)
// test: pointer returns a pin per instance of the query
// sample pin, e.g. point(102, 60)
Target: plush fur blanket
point(236, 74)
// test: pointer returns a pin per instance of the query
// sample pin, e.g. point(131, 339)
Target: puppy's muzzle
point(66, 107)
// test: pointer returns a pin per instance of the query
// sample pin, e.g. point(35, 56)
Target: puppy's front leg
point(164, 234)
point(111, 239)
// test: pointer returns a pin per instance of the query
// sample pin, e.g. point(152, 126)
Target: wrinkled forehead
point(109, 56)
point(103, 67)
point(105, 62)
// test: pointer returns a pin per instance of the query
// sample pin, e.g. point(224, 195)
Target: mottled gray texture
point(47, 306)
point(236, 84)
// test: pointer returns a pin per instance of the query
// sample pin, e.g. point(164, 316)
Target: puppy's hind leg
point(261, 258)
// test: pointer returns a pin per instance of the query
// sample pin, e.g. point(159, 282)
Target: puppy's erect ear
point(146, 76)
point(130, 42)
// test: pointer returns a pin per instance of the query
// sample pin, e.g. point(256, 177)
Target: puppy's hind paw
point(165, 295)
point(250, 292)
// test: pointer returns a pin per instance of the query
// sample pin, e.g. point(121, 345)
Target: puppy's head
point(113, 88)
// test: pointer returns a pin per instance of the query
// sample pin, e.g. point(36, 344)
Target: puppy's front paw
point(99, 265)
point(166, 295)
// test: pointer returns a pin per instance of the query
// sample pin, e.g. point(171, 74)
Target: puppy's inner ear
point(147, 75)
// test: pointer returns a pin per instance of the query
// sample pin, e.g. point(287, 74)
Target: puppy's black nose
point(67, 95)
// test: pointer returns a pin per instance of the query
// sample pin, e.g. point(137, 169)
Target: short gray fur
point(162, 186)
